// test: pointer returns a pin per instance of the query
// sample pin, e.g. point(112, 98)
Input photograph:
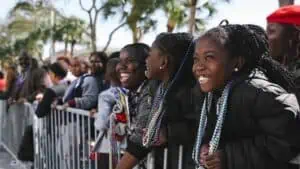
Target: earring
point(236, 69)
point(160, 67)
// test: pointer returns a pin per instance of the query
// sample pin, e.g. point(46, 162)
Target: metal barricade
point(64, 140)
point(13, 122)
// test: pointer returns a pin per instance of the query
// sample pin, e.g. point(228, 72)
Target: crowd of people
point(229, 98)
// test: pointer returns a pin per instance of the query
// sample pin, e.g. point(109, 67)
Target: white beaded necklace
point(157, 112)
point(221, 112)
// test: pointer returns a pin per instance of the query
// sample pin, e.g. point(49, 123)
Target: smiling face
point(278, 40)
point(76, 68)
point(24, 62)
point(212, 65)
point(97, 65)
point(130, 72)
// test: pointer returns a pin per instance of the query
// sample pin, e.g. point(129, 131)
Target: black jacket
point(260, 129)
point(50, 94)
point(181, 120)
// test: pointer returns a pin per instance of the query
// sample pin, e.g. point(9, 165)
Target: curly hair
point(250, 42)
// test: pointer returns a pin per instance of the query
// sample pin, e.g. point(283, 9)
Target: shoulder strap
point(81, 80)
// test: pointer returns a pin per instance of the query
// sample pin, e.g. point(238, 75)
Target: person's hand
point(203, 153)
point(213, 161)
point(93, 112)
point(65, 106)
point(39, 97)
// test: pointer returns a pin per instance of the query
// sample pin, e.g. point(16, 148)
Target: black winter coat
point(260, 129)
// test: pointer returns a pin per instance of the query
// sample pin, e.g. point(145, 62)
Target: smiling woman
point(131, 67)
point(284, 36)
point(249, 118)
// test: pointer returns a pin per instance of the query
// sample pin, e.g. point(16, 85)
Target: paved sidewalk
point(6, 161)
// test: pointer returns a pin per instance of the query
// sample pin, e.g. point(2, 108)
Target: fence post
point(151, 160)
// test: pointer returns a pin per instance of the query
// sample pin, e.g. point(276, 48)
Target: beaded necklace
point(152, 133)
point(221, 111)
point(151, 136)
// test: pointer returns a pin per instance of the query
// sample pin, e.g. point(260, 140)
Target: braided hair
point(250, 42)
point(179, 48)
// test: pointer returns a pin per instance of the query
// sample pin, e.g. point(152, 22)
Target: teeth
point(202, 79)
point(124, 77)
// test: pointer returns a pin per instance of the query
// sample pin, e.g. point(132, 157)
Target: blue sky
point(238, 11)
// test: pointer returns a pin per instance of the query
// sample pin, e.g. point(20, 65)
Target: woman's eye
point(208, 57)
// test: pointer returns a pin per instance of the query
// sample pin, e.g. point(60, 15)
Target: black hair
point(114, 55)
point(1, 75)
point(58, 69)
point(33, 64)
point(24, 55)
point(102, 56)
point(140, 51)
point(179, 48)
point(111, 73)
point(292, 32)
point(250, 42)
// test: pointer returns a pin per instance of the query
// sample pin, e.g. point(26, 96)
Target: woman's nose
point(198, 67)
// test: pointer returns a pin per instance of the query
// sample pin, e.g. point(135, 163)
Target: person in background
point(57, 73)
point(83, 92)
point(10, 78)
point(98, 62)
point(283, 30)
point(85, 67)
point(36, 82)
point(2, 82)
point(106, 100)
point(250, 115)
point(24, 61)
point(65, 61)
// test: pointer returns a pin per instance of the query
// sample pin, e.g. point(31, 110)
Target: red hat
point(287, 14)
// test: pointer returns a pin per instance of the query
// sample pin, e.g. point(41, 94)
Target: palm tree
point(179, 16)
point(71, 31)
point(138, 17)
point(30, 25)
point(196, 24)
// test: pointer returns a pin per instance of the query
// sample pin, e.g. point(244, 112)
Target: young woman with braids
point(283, 31)
point(249, 117)
point(170, 122)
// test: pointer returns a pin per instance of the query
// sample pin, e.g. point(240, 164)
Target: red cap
point(287, 14)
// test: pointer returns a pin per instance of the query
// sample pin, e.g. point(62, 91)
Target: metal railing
point(13, 122)
point(62, 140)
